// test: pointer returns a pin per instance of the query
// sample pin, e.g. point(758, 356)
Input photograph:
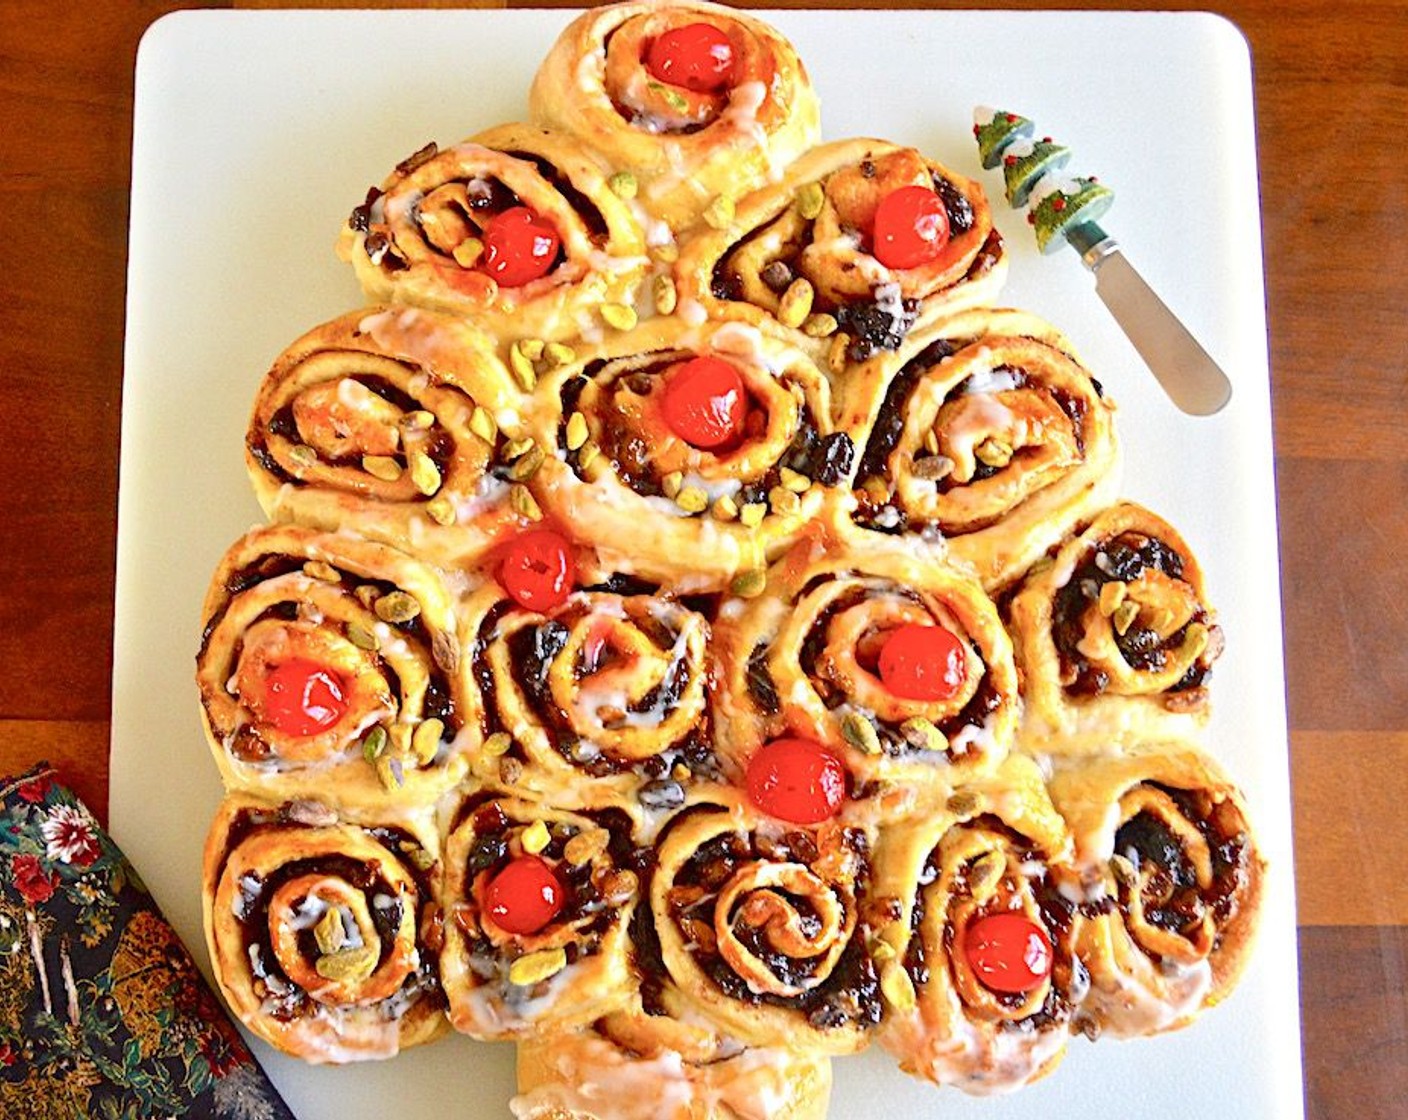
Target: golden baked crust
point(383, 622)
point(995, 848)
point(362, 984)
point(411, 241)
point(684, 148)
point(1115, 636)
point(633, 1066)
point(986, 430)
point(1163, 833)
point(799, 658)
point(368, 423)
point(798, 249)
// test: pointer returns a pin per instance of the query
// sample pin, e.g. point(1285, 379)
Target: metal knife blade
point(1188, 374)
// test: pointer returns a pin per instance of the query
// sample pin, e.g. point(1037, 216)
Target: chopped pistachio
point(531, 968)
point(933, 468)
point(671, 484)
point(667, 253)
point(860, 733)
point(692, 499)
point(752, 514)
point(522, 502)
point(898, 989)
point(819, 325)
point(623, 184)
point(425, 741)
point(535, 838)
point(881, 951)
point(383, 467)
point(321, 570)
point(367, 594)
point(559, 354)
point(526, 465)
point(348, 965)
point(497, 744)
point(531, 348)
point(923, 735)
point(796, 303)
point(622, 316)
point(795, 481)
point(468, 252)
point(586, 846)
point(329, 933)
point(577, 431)
point(1112, 595)
point(361, 637)
point(810, 199)
point(587, 456)
point(396, 607)
point(993, 452)
point(522, 367)
point(513, 448)
point(424, 473)
point(724, 508)
point(441, 511)
point(984, 874)
point(419, 420)
point(749, 584)
point(390, 772)
point(482, 424)
point(374, 743)
point(784, 502)
point(665, 296)
point(301, 455)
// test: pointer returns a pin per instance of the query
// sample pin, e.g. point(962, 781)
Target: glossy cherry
point(1009, 952)
point(919, 662)
point(302, 697)
point(537, 569)
point(796, 780)
point(911, 228)
point(705, 403)
point(519, 246)
point(697, 57)
point(524, 897)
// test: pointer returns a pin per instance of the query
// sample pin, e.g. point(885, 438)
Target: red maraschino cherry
point(519, 246)
point(302, 697)
point(697, 57)
point(796, 780)
point(919, 662)
point(705, 403)
point(537, 570)
point(911, 228)
point(524, 897)
point(1009, 952)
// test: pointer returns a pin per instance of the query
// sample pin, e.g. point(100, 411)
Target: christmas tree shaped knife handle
point(1065, 209)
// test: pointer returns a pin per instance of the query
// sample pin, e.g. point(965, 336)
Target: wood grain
point(1332, 93)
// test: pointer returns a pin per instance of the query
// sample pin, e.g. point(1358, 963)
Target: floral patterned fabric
point(103, 1015)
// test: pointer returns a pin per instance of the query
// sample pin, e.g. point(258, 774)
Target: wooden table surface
point(1332, 99)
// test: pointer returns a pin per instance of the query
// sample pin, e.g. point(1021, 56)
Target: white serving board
point(255, 134)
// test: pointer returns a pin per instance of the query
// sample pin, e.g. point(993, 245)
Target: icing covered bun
point(695, 103)
point(1115, 637)
point(515, 228)
point(320, 927)
point(639, 1066)
point(984, 430)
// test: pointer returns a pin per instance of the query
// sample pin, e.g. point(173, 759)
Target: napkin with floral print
point(103, 1015)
